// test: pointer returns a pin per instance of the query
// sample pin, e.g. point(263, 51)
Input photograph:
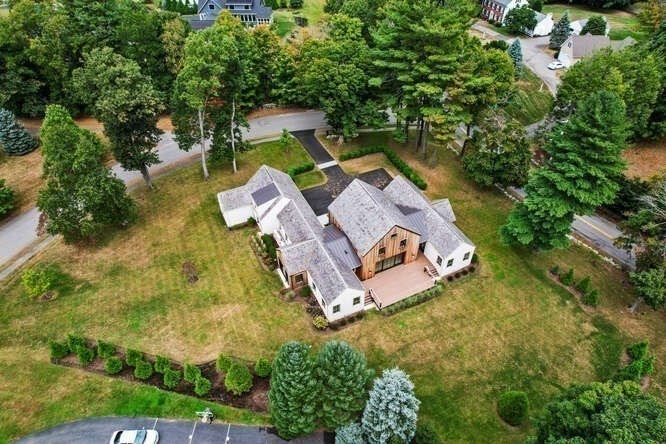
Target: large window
point(389, 262)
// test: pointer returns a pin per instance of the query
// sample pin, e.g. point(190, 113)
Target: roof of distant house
point(586, 45)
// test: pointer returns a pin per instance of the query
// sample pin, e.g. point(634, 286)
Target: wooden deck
point(399, 282)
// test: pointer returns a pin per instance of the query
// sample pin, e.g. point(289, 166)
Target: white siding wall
point(268, 223)
point(457, 256)
point(345, 300)
point(238, 216)
point(544, 27)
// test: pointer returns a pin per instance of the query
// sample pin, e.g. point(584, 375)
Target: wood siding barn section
point(391, 245)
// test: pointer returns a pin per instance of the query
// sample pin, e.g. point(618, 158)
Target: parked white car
point(555, 65)
point(149, 436)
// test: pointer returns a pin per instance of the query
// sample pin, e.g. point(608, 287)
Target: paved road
point(534, 55)
point(19, 241)
point(597, 231)
point(99, 431)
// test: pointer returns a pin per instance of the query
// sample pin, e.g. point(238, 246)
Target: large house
point(496, 10)
point(250, 12)
point(371, 233)
point(577, 47)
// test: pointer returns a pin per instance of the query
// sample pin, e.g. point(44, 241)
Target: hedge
point(143, 369)
point(162, 364)
point(202, 386)
point(397, 162)
point(299, 169)
point(191, 373)
point(172, 378)
point(132, 357)
point(413, 300)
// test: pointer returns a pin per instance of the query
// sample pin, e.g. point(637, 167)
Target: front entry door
point(389, 262)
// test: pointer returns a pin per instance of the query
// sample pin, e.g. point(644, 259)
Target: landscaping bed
point(256, 399)
point(400, 164)
point(582, 290)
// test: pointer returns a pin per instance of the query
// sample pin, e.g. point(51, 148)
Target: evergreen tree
point(595, 25)
point(516, 53)
point(580, 174)
point(561, 32)
point(294, 391)
point(7, 199)
point(392, 409)
point(349, 434)
point(14, 139)
point(344, 376)
point(498, 152)
point(82, 197)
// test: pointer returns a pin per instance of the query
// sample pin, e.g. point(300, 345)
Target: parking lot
point(99, 430)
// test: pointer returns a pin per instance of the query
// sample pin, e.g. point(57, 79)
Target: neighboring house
point(496, 10)
point(250, 12)
point(577, 47)
point(371, 231)
point(576, 27)
point(544, 25)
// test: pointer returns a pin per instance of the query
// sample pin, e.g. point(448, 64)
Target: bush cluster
point(202, 386)
point(299, 169)
point(172, 378)
point(58, 349)
point(400, 164)
point(238, 379)
point(513, 407)
point(269, 243)
point(642, 363)
point(591, 298)
point(413, 300)
point(105, 350)
point(263, 367)
point(162, 364)
point(348, 320)
point(85, 355)
point(74, 342)
point(320, 322)
point(143, 369)
point(584, 285)
point(132, 357)
point(41, 280)
point(568, 277)
point(191, 373)
point(113, 365)
point(223, 363)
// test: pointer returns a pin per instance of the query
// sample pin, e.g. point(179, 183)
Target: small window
point(211, 6)
point(299, 279)
point(439, 260)
point(449, 263)
point(403, 243)
point(382, 251)
point(314, 287)
point(336, 308)
point(394, 235)
point(247, 6)
point(466, 256)
point(357, 300)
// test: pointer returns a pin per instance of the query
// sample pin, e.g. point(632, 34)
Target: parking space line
point(155, 424)
point(193, 429)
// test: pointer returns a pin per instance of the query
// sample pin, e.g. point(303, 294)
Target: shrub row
point(413, 300)
point(299, 169)
point(642, 363)
point(590, 296)
point(400, 164)
point(269, 243)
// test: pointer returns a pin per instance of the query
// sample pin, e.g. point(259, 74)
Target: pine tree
point(14, 139)
point(596, 25)
point(343, 374)
point(581, 173)
point(561, 32)
point(294, 391)
point(349, 434)
point(392, 409)
point(516, 53)
point(82, 197)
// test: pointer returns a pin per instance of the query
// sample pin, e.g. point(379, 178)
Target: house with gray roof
point(576, 47)
point(250, 12)
point(496, 10)
point(370, 231)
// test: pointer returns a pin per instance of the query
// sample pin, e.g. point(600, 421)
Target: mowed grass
point(531, 100)
point(507, 327)
point(24, 175)
point(623, 23)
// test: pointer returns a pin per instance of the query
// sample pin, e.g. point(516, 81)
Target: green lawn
point(622, 23)
point(285, 22)
point(4, 12)
point(310, 179)
point(531, 101)
point(508, 327)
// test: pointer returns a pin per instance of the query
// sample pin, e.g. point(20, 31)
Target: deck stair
point(431, 271)
point(368, 298)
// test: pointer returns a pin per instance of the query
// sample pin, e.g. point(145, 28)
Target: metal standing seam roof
point(265, 194)
point(340, 247)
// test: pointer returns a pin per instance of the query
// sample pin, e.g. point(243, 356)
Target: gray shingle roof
point(234, 198)
point(443, 207)
point(339, 246)
point(365, 214)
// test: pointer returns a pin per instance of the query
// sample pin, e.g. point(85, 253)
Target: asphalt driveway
point(313, 146)
point(99, 431)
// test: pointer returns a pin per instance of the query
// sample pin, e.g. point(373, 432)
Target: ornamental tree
point(344, 376)
point(392, 409)
point(602, 412)
point(561, 32)
point(238, 379)
point(294, 391)
point(82, 197)
point(516, 53)
point(14, 139)
point(580, 174)
point(498, 152)
point(349, 434)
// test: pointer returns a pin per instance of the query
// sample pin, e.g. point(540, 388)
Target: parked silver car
point(555, 65)
point(149, 436)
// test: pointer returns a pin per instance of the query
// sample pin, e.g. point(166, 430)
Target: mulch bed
point(255, 400)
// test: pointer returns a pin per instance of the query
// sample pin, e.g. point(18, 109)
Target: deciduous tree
point(519, 19)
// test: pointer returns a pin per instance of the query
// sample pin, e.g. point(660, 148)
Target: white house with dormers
point(370, 232)
point(496, 10)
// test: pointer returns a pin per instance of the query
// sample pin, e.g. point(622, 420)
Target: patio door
point(389, 262)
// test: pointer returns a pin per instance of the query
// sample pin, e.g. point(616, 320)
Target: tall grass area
point(531, 101)
point(506, 327)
